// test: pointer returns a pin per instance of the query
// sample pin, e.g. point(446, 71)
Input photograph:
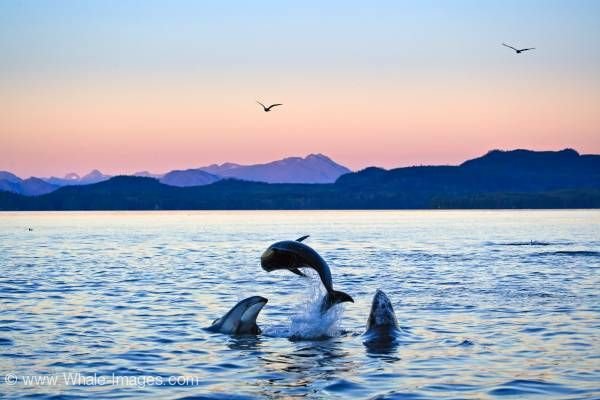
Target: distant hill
point(9, 177)
point(189, 177)
point(94, 176)
point(314, 168)
point(222, 169)
point(147, 174)
point(35, 187)
point(28, 187)
point(10, 186)
point(499, 179)
point(72, 178)
point(497, 171)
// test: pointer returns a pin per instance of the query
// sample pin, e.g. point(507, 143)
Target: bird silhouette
point(518, 51)
point(267, 109)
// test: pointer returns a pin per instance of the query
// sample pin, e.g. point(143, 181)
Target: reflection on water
point(490, 304)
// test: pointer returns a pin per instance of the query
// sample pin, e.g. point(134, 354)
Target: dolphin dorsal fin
point(302, 238)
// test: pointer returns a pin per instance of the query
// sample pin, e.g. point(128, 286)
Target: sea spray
point(308, 322)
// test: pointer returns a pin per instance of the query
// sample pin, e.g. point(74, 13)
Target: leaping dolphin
point(291, 255)
point(241, 319)
point(382, 325)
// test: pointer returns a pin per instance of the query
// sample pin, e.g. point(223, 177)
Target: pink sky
point(165, 87)
point(127, 127)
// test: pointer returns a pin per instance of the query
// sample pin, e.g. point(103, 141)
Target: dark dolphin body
point(241, 319)
point(291, 255)
point(382, 325)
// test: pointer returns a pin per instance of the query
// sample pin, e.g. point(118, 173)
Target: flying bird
point(518, 51)
point(267, 109)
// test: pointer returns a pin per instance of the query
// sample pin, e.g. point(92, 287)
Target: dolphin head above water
point(278, 256)
point(291, 255)
point(382, 312)
point(241, 319)
point(382, 325)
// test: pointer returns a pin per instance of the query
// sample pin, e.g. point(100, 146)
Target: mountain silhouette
point(497, 171)
point(188, 177)
point(93, 176)
point(499, 179)
point(28, 187)
point(147, 174)
point(72, 178)
point(9, 177)
point(314, 168)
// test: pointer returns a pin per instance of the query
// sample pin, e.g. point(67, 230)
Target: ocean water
point(492, 305)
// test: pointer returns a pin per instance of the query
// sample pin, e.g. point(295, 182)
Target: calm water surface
point(492, 304)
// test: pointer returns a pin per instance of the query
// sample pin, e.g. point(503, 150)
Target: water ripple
point(490, 304)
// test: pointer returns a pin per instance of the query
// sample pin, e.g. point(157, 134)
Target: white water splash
point(307, 322)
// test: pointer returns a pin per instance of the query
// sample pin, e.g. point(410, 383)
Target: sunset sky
point(124, 86)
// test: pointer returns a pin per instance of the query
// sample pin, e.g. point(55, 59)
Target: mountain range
point(94, 176)
point(314, 168)
point(499, 179)
point(28, 187)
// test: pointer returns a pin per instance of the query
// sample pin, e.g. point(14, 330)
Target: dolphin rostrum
point(291, 255)
point(241, 319)
point(382, 325)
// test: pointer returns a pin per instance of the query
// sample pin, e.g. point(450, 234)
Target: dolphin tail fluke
point(333, 298)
